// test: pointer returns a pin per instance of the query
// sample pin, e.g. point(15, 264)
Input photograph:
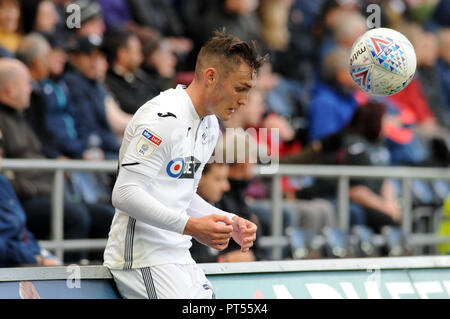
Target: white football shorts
point(168, 281)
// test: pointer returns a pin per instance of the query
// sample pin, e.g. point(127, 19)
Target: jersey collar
point(191, 107)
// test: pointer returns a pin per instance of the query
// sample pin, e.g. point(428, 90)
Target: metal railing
point(343, 174)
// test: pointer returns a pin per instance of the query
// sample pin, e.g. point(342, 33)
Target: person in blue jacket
point(332, 104)
point(18, 246)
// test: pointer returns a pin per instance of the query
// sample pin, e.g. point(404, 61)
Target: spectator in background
point(88, 94)
point(116, 14)
point(328, 20)
point(160, 63)
point(274, 17)
point(254, 116)
point(332, 102)
point(57, 123)
point(238, 150)
point(58, 54)
point(117, 118)
point(313, 214)
point(64, 128)
point(350, 26)
point(441, 14)
point(34, 52)
point(412, 103)
point(286, 98)
point(125, 79)
point(360, 142)
point(189, 14)
point(18, 246)
point(33, 188)
point(212, 185)
point(159, 15)
point(39, 16)
point(91, 19)
point(363, 142)
point(426, 45)
point(443, 67)
point(9, 27)
point(238, 17)
point(412, 100)
point(298, 60)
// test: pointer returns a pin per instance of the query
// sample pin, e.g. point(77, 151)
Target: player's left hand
point(244, 232)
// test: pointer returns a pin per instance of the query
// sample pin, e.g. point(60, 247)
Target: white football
point(382, 61)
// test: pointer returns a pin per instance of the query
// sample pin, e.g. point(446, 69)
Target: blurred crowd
point(73, 73)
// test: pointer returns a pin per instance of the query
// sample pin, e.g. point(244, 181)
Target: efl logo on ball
point(382, 62)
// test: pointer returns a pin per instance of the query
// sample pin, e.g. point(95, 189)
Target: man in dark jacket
point(88, 95)
point(129, 84)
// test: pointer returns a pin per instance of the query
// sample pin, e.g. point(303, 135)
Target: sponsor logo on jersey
point(152, 137)
point(183, 167)
point(175, 167)
point(167, 114)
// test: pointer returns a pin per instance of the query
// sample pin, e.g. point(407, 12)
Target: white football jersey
point(169, 144)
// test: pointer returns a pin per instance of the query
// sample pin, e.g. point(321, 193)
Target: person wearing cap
point(88, 94)
point(91, 19)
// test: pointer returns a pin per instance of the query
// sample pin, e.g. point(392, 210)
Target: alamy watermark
point(73, 20)
point(253, 145)
point(237, 146)
point(374, 18)
point(73, 276)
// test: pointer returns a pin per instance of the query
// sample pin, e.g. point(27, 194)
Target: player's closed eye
point(240, 90)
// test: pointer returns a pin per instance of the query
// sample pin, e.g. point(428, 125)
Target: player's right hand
point(213, 230)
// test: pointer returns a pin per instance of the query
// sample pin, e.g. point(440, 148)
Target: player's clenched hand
point(209, 231)
point(244, 233)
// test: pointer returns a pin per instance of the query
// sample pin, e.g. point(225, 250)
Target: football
point(382, 61)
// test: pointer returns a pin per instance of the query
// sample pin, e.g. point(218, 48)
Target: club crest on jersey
point(183, 167)
point(148, 143)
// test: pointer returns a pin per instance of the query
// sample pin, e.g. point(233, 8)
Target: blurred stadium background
point(355, 176)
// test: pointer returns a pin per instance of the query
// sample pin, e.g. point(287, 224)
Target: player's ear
point(211, 76)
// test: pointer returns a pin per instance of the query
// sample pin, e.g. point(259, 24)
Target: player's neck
point(197, 98)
